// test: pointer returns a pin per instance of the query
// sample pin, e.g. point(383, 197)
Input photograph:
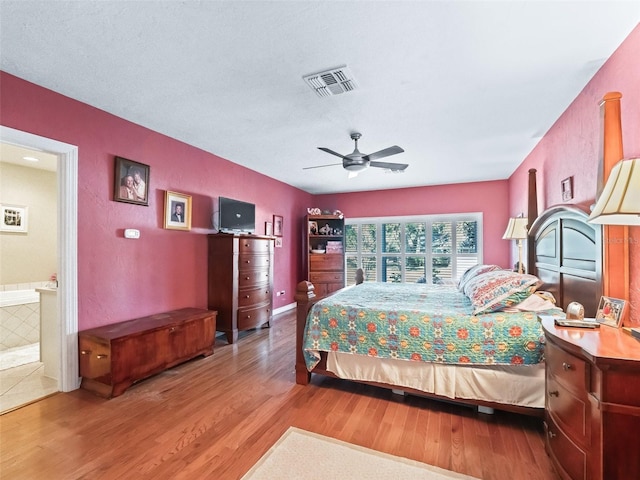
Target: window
point(428, 249)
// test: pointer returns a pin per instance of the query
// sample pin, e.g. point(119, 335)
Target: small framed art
point(177, 211)
point(610, 311)
point(268, 228)
point(14, 218)
point(567, 189)
point(131, 182)
point(277, 225)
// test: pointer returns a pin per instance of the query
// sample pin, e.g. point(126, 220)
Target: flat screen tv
point(236, 216)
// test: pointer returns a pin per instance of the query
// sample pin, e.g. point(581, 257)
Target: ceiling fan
point(357, 161)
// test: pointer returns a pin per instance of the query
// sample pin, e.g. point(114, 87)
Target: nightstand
point(592, 417)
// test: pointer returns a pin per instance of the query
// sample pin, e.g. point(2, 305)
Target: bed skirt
point(521, 385)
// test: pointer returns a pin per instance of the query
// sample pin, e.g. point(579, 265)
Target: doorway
point(65, 308)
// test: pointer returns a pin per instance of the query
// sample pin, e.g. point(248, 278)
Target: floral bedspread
point(420, 322)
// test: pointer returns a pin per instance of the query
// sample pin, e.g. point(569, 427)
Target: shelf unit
point(325, 270)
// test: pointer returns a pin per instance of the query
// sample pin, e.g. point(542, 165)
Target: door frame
point(67, 247)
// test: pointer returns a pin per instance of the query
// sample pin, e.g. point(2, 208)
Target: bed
point(443, 341)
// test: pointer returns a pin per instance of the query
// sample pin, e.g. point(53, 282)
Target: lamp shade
point(516, 229)
point(619, 202)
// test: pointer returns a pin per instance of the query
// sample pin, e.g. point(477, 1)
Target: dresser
point(592, 402)
point(113, 357)
point(240, 283)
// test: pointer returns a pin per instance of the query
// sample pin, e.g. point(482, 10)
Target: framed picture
point(277, 225)
point(313, 228)
point(278, 242)
point(567, 189)
point(14, 218)
point(268, 228)
point(610, 311)
point(131, 182)
point(177, 211)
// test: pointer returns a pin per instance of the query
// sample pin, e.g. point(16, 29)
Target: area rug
point(299, 454)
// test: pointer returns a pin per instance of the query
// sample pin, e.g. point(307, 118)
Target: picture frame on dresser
point(268, 229)
point(131, 182)
point(177, 211)
point(610, 311)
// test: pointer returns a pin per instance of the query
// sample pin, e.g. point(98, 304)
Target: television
point(236, 216)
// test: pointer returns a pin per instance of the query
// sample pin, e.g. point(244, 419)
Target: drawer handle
point(247, 296)
point(86, 352)
point(247, 261)
point(248, 316)
point(551, 434)
point(566, 366)
point(247, 278)
point(554, 393)
point(172, 329)
point(102, 355)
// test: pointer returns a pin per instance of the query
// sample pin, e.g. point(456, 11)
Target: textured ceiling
point(466, 88)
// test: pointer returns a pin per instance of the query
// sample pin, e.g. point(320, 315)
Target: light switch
point(131, 233)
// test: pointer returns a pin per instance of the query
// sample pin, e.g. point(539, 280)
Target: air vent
point(331, 82)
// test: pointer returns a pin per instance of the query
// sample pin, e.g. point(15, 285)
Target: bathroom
point(28, 265)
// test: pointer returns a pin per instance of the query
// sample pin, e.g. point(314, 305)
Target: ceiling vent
point(331, 82)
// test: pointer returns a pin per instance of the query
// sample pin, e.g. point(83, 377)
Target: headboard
point(565, 252)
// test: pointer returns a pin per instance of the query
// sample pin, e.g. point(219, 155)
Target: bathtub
point(9, 298)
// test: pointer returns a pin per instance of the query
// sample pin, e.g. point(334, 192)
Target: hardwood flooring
point(215, 417)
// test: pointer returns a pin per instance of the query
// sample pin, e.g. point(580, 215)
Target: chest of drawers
point(240, 282)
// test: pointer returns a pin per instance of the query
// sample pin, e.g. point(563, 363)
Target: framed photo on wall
point(14, 218)
point(177, 211)
point(278, 222)
point(567, 189)
point(610, 311)
point(131, 183)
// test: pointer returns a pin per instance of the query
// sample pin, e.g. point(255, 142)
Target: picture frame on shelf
point(278, 223)
point(268, 229)
point(177, 211)
point(15, 218)
point(313, 228)
point(131, 184)
point(610, 311)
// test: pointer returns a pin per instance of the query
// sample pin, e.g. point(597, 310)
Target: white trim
point(67, 246)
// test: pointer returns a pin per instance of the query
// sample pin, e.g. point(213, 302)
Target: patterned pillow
point(474, 271)
point(498, 289)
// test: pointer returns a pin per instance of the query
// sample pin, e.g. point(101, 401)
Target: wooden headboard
point(565, 252)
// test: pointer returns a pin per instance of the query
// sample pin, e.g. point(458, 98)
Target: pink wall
point(121, 279)
point(572, 146)
point(490, 198)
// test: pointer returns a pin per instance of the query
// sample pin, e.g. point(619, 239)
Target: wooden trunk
point(113, 357)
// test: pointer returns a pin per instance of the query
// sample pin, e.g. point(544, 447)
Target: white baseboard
point(284, 308)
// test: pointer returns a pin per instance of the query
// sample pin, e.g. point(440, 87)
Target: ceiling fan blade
point(320, 166)
point(396, 167)
point(331, 152)
point(384, 153)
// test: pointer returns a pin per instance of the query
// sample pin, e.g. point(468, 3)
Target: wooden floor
point(215, 417)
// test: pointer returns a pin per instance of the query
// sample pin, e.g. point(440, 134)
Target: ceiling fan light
point(356, 167)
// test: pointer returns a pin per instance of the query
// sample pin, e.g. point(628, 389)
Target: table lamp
point(517, 230)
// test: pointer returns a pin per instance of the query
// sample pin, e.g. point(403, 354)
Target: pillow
point(495, 290)
point(474, 271)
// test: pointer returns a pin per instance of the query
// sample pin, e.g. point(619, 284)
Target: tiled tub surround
point(19, 315)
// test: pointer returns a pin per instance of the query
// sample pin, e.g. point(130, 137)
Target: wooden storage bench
point(113, 357)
